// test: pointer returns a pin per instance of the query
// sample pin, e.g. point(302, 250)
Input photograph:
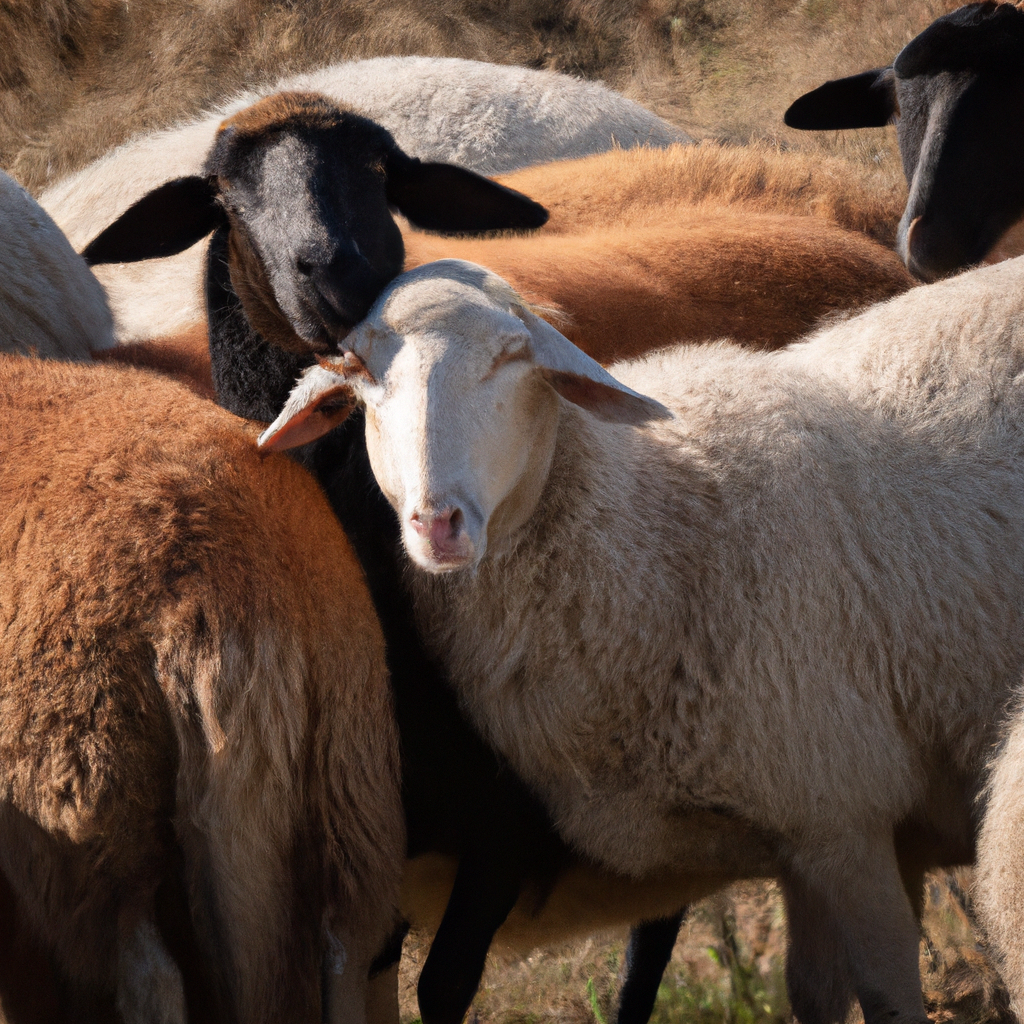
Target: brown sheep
point(183, 357)
point(621, 291)
point(648, 187)
point(171, 680)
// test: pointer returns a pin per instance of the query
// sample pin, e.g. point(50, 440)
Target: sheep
point(724, 607)
point(195, 718)
point(182, 357)
point(486, 117)
point(256, 354)
point(50, 303)
point(957, 91)
point(621, 290)
point(759, 277)
point(647, 187)
point(673, 196)
point(458, 799)
point(999, 894)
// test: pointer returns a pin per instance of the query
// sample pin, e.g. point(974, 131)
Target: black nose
point(345, 292)
point(937, 248)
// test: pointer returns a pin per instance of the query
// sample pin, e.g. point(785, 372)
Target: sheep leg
point(480, 901)
point(852, 925)
point(149, 984)
point(382, 990)
point(1000, 875)
point(818, 979)
point(647, 955)
point(382, 997)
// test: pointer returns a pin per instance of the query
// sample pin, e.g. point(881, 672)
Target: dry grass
point(727, 968)
point(79, 76)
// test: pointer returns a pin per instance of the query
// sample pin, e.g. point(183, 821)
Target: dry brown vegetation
point(78, 76)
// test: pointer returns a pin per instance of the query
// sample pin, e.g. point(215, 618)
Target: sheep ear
point(319, 402)
point(581, 380)
point(165, 221)
point(867, 100)
point(450, 199)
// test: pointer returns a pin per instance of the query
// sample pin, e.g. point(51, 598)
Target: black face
point(305, 190)
point(958, 92)
point(311, 205)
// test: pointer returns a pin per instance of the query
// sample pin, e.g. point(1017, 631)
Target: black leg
point(647, 955)
point(480, 901)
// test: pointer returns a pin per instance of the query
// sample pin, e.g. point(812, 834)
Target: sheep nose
point(936, 247)
point(442, 529)
point(342, 288)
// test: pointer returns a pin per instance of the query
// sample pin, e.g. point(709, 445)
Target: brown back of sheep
point(619, 291)
point(180, 663)
point(655, 187)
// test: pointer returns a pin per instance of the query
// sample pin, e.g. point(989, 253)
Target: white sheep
point(487, 117)
point(769, 614)
point(50, 303)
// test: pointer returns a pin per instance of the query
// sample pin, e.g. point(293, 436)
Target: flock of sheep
point(554, 619)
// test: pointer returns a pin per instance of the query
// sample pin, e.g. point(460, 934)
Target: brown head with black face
point(305, 189)
point(956, 92)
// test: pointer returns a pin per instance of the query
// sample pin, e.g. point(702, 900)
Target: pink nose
point(442, 529)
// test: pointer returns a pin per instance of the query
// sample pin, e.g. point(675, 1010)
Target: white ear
point(582, 380)
point(319, 401)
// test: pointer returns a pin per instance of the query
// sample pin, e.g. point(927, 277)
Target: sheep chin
point(442, 559)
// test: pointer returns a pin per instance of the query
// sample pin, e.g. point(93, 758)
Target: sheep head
point(957, 94)
point(304, 189)
point(460, 381)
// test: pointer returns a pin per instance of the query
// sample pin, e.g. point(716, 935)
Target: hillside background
point(79, 76)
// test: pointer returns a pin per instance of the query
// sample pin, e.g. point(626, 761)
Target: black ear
point(867, 100)
point(442, 197)
point(166, 221)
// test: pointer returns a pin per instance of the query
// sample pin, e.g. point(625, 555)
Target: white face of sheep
point(460, 383)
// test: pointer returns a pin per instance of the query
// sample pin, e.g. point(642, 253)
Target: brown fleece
point(285, 111)
point(657, 187)
point(179, 661)
point(183, 357)
point(621, 291)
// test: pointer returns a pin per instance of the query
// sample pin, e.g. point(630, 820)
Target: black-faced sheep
point(199, 802)
point(618, 290)
point(487, 118)
point(957, 92)
point(50, 303)
point(765, 608)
